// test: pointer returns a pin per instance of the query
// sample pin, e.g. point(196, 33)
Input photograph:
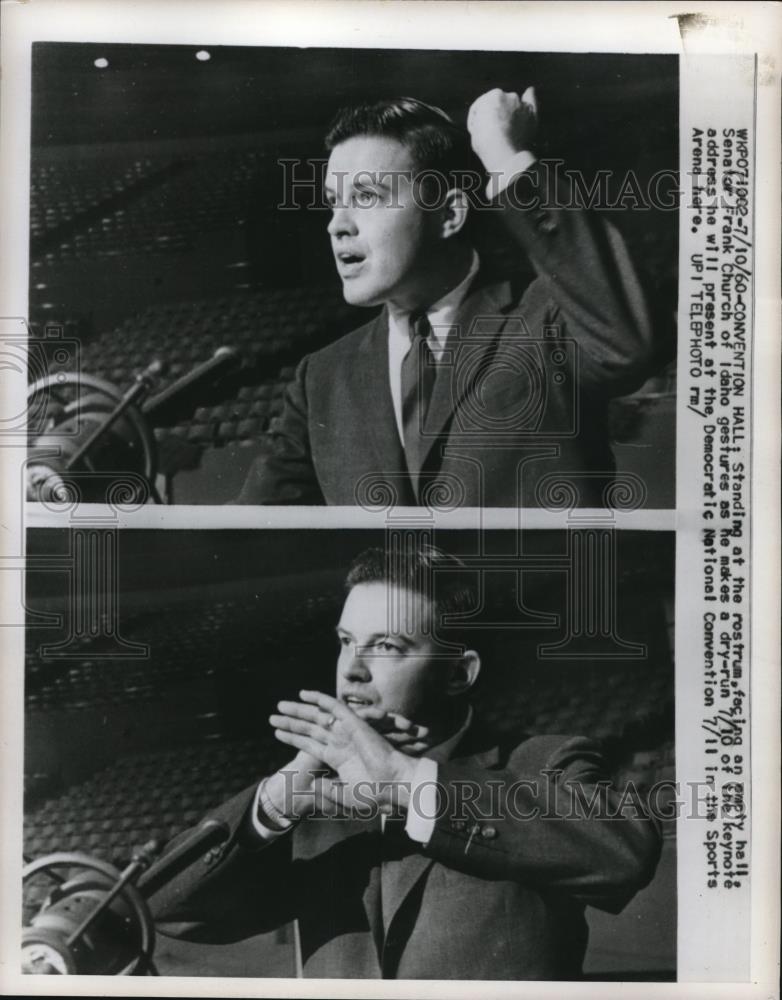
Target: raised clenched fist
point(502, 124)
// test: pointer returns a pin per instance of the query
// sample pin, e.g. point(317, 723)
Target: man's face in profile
point(381, 235)
point(387, 659)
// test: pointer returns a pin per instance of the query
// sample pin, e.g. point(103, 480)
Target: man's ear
point(464, 673)
point(455, 210)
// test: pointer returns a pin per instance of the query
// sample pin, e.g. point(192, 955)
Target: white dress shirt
point(442, 313)
point(422, 807)
point(441, 316)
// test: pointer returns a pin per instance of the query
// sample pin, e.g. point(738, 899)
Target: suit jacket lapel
point(375, 409)
point(321, 835)
point(383, 898)
point(399, 876)
point(485, 305)
point(468, 348)
point(406, 872)
point(372, 897)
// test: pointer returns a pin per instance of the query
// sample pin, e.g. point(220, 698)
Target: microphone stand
point(61, 925)
point(139, 389)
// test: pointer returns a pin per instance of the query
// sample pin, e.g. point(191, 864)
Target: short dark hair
point(436, 142)
point(425, 570)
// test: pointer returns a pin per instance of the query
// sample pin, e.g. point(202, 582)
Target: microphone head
point(156, 368)
point(149, 851)
point(225, 352)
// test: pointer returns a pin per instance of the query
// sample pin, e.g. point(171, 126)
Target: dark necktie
point(418, 377)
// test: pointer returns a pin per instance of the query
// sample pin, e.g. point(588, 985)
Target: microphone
point(91, 431)
point(96, 920)
point(134, 394)
point(90, 435)
point(165, 405)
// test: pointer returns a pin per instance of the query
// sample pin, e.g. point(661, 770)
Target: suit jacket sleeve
point(592, 287)
point(553, 824)
point(286, 475)
point(233, 892)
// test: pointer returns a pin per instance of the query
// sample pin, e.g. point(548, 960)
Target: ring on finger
point(329, 722)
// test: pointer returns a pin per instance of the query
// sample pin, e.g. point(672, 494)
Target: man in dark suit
point(465, 390)
point(404, 840)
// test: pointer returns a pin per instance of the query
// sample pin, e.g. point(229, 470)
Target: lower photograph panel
point(408, 753)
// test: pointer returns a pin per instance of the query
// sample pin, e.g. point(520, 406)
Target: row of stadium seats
point(150, 795)
point(244, 419)
point(61, 192)
point(602, 702)
point(261, 324)
point(212, 191)
point(184, 643)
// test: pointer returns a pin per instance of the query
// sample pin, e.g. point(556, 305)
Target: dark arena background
point(156, 231)
point(149, 685)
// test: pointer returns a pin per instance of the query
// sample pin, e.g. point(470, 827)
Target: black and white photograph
point(351, 754)
point(305, 276)
point(389, 536)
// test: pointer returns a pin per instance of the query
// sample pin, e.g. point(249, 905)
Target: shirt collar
point(442, 313)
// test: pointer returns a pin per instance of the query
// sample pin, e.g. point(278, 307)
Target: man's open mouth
point(349, 262)
point(356, 701)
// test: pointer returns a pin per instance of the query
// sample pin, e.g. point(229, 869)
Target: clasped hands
point(349, 759)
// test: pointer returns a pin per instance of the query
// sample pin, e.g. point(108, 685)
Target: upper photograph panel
point(347, 277)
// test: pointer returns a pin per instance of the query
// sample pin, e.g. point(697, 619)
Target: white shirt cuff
point(516, 165)
point(266, 832)
point(422, 808)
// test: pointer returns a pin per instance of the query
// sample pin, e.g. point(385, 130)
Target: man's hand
point(368, 768)
point(405, 735)
point(292, 790)
point(502, 124)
